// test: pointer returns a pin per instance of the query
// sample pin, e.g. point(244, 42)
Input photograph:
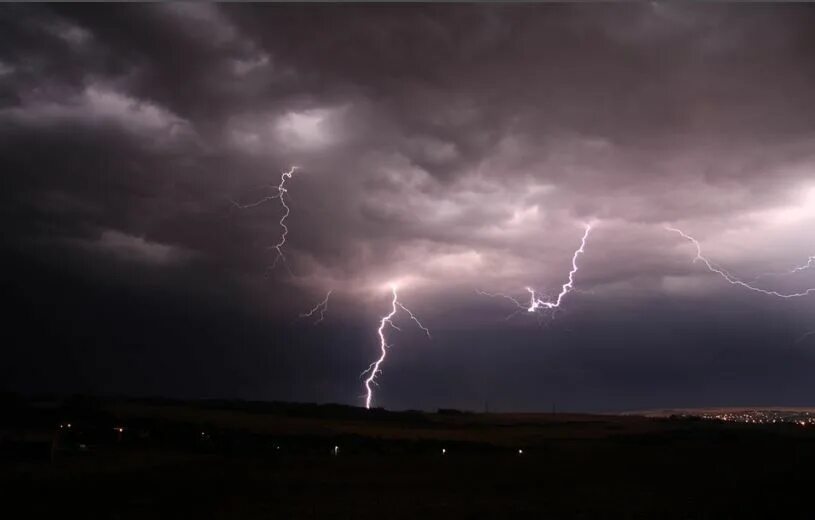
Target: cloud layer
point(452, 148)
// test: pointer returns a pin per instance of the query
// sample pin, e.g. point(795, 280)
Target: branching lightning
point(373, 368)
point(281, 195)
point(321, 307)
point(386, 320)
point(729, 278)
point(536, 303)
point(415, 319)
point(803, 267)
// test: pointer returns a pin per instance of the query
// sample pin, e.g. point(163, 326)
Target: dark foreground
point(239, 460)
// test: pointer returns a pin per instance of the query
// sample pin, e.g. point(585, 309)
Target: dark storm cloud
point(448, 147)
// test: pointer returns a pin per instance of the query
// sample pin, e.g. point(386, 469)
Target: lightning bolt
point(536, 303)
point(521, 307)
point(810, 263)
point(415, 319)
point(804, 267)
point(281, 195)
point(729, 278)
point(321, 307)
point(386, 320)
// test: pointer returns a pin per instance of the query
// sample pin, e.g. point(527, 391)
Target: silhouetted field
point(276, 460)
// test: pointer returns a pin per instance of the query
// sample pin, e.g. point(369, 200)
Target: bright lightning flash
point(281, 195)
point(386, 320)
point(729, 278)
point(536, 303)
point(321, 308)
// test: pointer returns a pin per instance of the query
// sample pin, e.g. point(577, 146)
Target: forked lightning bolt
point(386, 320)
point(804, 267)
point(281, 195)
point(373, 368)
point(729, 278)
point(536, 303)
point(810, 263)
point(321, 307)
point(415, 319)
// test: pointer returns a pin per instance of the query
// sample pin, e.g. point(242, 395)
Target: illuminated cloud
point(137, 249)
point(245, 66)
point(308, 129)
point(452, 148)
point(99, 106)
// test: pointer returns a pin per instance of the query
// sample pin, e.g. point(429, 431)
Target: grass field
point(193, 460)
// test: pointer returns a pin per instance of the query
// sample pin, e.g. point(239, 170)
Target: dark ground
point(265, 460)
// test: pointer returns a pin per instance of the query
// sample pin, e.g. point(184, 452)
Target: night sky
point(451, 149)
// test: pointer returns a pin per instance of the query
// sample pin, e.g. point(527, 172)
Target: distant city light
point(796, 417)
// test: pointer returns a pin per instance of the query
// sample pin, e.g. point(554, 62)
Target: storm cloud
point(451, 148)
